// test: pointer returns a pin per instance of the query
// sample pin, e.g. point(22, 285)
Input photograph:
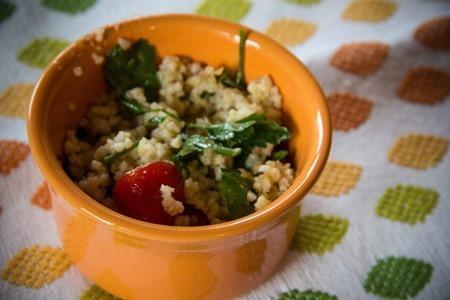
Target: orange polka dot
point(348, 111)
point(426, 85)
point(12, 153)
point(42, 197)
point(360, 58)
point(434, 33)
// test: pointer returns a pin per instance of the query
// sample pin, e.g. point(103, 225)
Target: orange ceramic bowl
point(138, 260)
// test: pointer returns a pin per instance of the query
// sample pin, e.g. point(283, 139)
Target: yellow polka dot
point(291, 32)
point(14, 100)
point(36, 266)
point(369, 10)
point(337, 178)
point(418, 151)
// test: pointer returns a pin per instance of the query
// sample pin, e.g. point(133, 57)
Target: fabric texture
point(376, 225)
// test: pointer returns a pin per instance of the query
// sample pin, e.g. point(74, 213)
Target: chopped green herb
point(136, 67)
point(133, 106)
point(268, 132)
point(280, 155)
point(228, 78)
point(197, 143)
point(227, 151)
point(205, 94)
point(240, 76)
point(233, 189)
point(136, 108)
point(110, 158)
point(155, 121)
point(253, 117)
point(166, 112)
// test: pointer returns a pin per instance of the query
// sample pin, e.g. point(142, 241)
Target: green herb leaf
point(136, 108)
point(136, 67)
point(197, 143)
point(253, 117)
point(133, 106)
point(227, 78)
point(279, 155)
point(155, 121)
point(267, 132)
point(240, 76)
point(233, 189)
point(205, 94)
point(227, 151)
point(110, 158)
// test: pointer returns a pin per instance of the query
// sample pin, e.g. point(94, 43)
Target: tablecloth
point(376, 224)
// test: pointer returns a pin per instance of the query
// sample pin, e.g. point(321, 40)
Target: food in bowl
point(180, 143)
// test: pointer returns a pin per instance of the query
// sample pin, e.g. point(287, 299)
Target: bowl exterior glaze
point(138, 260)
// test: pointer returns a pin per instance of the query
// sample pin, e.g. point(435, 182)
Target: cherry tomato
point(137, 193)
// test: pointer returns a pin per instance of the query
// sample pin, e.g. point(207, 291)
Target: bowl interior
point(207, 40)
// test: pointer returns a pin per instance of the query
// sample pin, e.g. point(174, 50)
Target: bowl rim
point(82, 203)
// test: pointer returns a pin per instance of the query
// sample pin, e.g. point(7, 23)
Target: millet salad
point(178, 142)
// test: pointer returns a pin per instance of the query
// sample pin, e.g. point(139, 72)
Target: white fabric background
point(341, 272)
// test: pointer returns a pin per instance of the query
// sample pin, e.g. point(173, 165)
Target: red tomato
point(137, 193)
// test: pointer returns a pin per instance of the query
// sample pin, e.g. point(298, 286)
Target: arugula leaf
point(126, 69)
point(279, 155)
point(233, 189)
point(110, 158)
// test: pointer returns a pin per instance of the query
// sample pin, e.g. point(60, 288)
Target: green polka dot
point(398, 277)
point(6, 9)
point(307, 2)
point(40, 52)
point(319, 234)
point(306, 295)
point(69, 6)
point(407, 204)
point(233, 10)
point(97, 293)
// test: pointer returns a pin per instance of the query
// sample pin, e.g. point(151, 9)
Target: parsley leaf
point(197, 143)
point(228, 78)
point(135, 67)
point(136, 108)
point(110, 158)
point(280, 155)
point(233, 189)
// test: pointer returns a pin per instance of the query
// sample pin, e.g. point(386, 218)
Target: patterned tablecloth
point(377, 223)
